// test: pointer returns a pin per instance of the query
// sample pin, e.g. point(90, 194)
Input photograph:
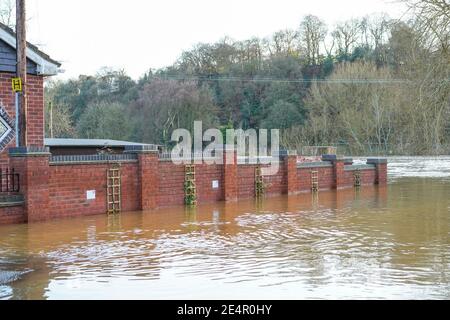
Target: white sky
point(136, 35)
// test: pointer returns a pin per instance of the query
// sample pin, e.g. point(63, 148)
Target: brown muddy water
point(372, 243)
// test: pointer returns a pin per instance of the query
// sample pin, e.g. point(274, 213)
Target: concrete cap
point(29, 151)
point(149, 148)
point(284, 153)
point(377, 161)
point(332, 158)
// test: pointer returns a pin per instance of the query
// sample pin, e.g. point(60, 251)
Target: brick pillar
point(290, 161)
point(381, 170)
point(32, 163)
point(147, 175)
point(230, 175)
point(339, 173)
point(338, 169)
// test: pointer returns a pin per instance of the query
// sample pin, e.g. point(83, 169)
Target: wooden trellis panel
point(114, 192)
point(315, 181)
point(357, 177)
point(259, 182)
point(190, 187)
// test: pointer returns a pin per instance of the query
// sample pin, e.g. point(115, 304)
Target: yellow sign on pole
point(16, 84)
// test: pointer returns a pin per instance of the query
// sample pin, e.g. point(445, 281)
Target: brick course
point(12, 215)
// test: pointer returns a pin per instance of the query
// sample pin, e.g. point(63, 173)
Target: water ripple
point(350, 245)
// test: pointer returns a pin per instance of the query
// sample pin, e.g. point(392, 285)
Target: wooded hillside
point(369, 85)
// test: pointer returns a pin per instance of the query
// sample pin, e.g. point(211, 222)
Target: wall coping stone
point(258, 164)
point(80, 163)
point(29, 152)
point(325, 164)
point(105, 158)
point(356, 167)
point(335, 158)
point(377, 161)
point(285, 153)
point(149, 148)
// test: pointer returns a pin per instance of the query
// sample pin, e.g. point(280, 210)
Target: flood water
point(372, 243)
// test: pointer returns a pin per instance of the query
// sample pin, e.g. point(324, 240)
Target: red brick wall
point(275, 184)
point(35, 125)
point(34, 185)
point(12, 215)
point(339, 173)
point(291, 163)
point(230, 176)
point(326, 178)
point(148, 180)
point(171, 183)
point(246, 181)
point(171, 186)
point(68, 185)
point(206, 174)
point(368, 177)
point(381, 173)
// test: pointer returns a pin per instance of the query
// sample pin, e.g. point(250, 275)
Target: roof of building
point(89, 143)
point(46, 65)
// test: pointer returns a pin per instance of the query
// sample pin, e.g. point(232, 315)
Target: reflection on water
point(369, 243)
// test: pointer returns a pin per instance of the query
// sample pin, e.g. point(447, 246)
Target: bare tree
point(354, 107)
point(285, 42)
point(346, 36)
point(432, 22)
point(7, 13)
point(374, 31)
point(312, 34)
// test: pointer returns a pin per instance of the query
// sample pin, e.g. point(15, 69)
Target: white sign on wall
point(215, 184)
point(90, 195)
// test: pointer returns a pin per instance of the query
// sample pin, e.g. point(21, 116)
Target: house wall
point(8, 60)
point(35, 121)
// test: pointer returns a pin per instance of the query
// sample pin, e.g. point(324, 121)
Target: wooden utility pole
point(50, 104)
point(21, 69)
